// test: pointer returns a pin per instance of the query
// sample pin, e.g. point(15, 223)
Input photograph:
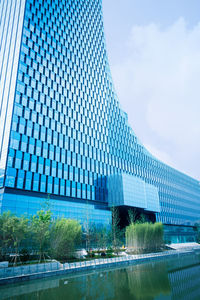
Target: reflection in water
point(176, 279)
point(185, 281)
point(148, 281)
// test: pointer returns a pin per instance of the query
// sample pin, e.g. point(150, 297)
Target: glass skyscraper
point(63, 135)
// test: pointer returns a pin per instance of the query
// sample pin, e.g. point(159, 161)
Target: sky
point(154, 54)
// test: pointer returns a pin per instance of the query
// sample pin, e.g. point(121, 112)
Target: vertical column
point(11, 23)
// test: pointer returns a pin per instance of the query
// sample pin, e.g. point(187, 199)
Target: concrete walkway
point(188, 246)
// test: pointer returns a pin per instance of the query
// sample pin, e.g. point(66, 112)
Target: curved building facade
point(63, 135)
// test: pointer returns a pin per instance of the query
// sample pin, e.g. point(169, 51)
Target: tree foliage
point(132, 215)
point(102, 237)
point(65, 236)
point(4, 235)
point(40, 227)
point(13, 230)
point(89, 235)
point(116, 232)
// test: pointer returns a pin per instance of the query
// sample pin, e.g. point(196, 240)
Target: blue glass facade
point(68, 135)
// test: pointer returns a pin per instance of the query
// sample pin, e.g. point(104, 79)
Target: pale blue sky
point(121, 15)
point(154, 54)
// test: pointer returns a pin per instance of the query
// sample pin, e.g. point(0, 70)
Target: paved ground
point(189, 246)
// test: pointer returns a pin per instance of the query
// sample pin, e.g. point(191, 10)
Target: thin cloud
point(158, 84)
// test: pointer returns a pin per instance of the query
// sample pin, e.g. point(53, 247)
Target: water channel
point(176, 278)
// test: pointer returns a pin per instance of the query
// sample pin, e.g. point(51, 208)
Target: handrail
point(7, 272)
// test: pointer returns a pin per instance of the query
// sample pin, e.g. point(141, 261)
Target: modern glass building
point(63, 135)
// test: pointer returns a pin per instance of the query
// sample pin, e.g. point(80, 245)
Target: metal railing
point(29, 269)
point(56, 266)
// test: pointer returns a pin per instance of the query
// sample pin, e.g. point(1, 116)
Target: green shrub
point(110, 250)
point(144, 237)
point(24, 255)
